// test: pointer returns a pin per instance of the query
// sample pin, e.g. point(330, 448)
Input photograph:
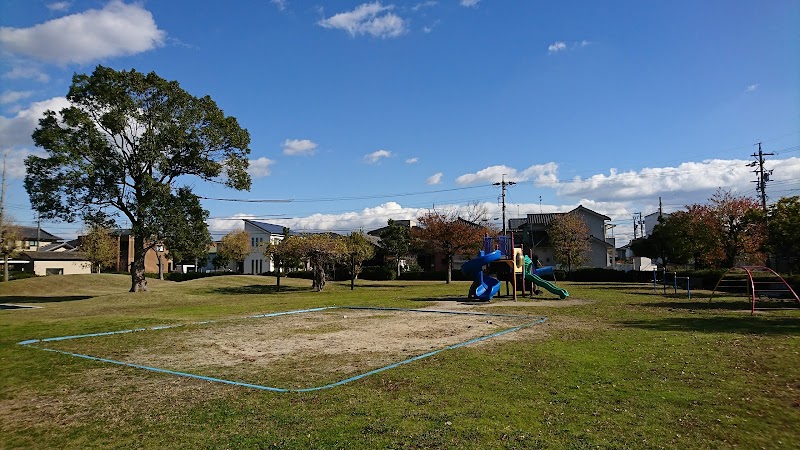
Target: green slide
point(552, 288)
point(530, 275)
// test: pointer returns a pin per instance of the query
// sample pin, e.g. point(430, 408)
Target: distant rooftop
point(33, 233)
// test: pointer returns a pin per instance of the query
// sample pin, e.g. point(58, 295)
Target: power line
point(339, 199)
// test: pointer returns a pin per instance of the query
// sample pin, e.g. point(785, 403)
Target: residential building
point(531, 232)
point(629, 261)
point(55, 263)
point(261, 234)
point(125, 254)
point(33, 239)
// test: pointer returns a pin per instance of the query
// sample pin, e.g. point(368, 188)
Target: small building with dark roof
point(55, 263)
point(531, 231)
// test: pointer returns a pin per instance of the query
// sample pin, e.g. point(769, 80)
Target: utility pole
point(763, 176)
point(635, 227)
point(503, 183)
point(660, 209)
point(641, 226)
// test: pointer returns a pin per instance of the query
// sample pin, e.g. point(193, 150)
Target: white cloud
point(751, 88)
point(368, 18)
point(13, 96)
point(541, 174)
point(260, 167)
point(413, 160)
point(16, 131)
point(561, 46)
point(15, 161)
point(295, 147)
point(422, 5)
point(556, 47)
point(376, 156)
point(280, 4)
point(26, 72)
point(367, 219)
point(59, 6)
point(691, 181)
point(469, 3)
point(435, 178)
point(117, 29)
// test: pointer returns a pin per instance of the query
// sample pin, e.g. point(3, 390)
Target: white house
point(261, 234)
point(531, 231)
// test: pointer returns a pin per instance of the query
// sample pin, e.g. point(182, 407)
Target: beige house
point(56, 263)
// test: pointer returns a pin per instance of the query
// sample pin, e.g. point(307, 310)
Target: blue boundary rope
point(32, 342)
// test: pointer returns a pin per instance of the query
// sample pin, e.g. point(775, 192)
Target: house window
point(54, 271)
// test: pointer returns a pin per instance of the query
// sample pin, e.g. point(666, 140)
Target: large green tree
point(396, 241)
point(123, 145)
point(784, 231)
point(179, 223)
point(358, 249)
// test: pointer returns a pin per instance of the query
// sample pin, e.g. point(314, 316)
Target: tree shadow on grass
point(380, 286)
point(740, 325)
point(259, 289)
point(704, 305)
point(42, 299)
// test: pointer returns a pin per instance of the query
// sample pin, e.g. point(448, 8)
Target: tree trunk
point(138, 281)
point(398, 265)
point(449, 268)
point(352, 272)
point(5, 267)
point(319, 279)
point(160, 266)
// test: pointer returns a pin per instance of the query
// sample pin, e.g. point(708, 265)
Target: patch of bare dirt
point(340, 333)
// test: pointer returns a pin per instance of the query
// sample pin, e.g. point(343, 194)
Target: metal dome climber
point(757, 282)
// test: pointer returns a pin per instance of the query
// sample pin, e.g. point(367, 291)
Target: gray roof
point(53, 256)
point(67, 246)
point(542, 219)
point(268, 227)
point(33, 233)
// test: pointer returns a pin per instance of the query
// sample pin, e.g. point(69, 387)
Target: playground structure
point(757, 282)
point(510, 265)
point(674, 283)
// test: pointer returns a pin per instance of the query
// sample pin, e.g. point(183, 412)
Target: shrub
point(178, 276)
point(440, 275)
point(378, 273)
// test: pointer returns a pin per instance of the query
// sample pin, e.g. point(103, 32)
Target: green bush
point(18, 275)
point(439, 275)
point(178, 276)
point(303, 274)
point(378, 273)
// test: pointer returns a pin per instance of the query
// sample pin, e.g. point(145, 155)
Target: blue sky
point(365, 111)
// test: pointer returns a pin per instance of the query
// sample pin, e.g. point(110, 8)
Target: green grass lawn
point(619, 367)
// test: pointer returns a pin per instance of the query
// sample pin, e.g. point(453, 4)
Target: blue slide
point(483, 287)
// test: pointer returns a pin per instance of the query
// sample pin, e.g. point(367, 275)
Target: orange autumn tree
point(569, 236)
point(726, 231)
point(449, 234)
point(741, 230)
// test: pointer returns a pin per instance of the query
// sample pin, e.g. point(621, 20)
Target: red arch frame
point(752, 284)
